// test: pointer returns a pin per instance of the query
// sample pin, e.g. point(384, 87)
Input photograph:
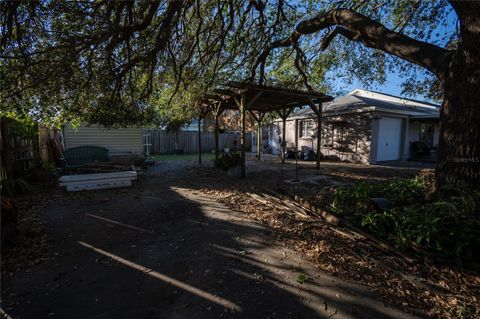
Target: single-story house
point(123, 141)
point(364, 127)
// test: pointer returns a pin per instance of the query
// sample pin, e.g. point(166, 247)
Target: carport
point(259, 100)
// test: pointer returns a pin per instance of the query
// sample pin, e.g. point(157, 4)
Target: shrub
point(440, 227)
point(447, 223)
point(228, 160)
point(356, 200)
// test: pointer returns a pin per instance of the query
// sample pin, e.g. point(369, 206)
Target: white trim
point(365, 110)
point(395, 99)
point(88, 177)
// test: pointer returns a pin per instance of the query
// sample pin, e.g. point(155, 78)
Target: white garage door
point(389, 139)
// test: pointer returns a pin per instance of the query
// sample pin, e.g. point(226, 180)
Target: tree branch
point(263, 57)
point(357, 27)
point(338, 30)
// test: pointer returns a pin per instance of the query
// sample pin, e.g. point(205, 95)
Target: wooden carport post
point(259, 120)
point(284, 114)
point(318, 112)
point(201, 113)
point(216, 137)
point(217, 111)
point(242, 105)
point(199, 137)
point(242, 134)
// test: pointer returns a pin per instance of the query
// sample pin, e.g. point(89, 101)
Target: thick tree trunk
point(459, 146)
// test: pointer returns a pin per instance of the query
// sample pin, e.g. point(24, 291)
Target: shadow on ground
point(163, 250)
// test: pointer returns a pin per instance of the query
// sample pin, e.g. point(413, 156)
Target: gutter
point(411, 114)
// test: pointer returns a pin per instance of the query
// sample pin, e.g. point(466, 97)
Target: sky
point(392, 85)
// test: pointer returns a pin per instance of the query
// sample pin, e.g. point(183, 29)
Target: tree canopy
point(124, 62)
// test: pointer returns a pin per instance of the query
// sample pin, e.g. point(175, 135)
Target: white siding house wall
point(117, 140)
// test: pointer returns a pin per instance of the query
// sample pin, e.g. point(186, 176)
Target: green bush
point(49, 166)
point(356, 200)
point(447, 224)
point(441, 227)
point(228, 160)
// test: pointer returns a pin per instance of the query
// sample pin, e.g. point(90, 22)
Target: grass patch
point(184, 157)
point(302, 278)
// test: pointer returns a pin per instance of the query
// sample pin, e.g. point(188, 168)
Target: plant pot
point(234, 171)
point(179, 152)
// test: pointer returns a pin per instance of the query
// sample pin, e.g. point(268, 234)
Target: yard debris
point(32, 246)
point(420, 287)
point(416, 285)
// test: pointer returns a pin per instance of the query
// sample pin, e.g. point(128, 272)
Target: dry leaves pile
point(31, 245)
point(420, 288)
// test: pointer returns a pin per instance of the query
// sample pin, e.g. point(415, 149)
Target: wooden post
point(296, 137)
point(242, 105)
point(216, 136)
point(199, 138)
point(258, 119)
point(259, 139)
point(216, 112)
point(284, 115)
point(284, 140)
point(259, 142)
point(319, 135)
point(242, 134)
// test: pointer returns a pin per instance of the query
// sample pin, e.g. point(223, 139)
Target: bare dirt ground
point(187, 242)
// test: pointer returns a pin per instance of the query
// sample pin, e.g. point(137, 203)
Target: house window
point(327, 135)
point(426, 133)
point(341, 136)
point(306, 128)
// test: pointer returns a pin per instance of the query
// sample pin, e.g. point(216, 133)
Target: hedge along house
point(364, 127)
point(122, 142)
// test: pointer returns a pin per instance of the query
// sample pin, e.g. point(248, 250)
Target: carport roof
point(262, 98)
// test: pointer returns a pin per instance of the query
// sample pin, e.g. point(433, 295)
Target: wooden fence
point(21, 152)
point(164, 142)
